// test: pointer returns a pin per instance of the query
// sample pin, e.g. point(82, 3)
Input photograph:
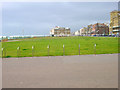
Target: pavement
point(84, 71)
point(0, 73)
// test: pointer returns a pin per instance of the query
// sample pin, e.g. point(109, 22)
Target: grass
point(105, 45)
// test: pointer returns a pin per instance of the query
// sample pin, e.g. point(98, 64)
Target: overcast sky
point(39, 17)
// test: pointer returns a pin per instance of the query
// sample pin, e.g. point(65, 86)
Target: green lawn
point(105, 45)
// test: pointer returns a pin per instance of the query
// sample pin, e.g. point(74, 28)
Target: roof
point(60, 28)
point(115, 11)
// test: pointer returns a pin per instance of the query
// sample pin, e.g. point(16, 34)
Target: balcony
point(116, 27)
point(116, 30)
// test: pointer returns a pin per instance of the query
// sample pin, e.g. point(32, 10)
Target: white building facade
point(60, 31)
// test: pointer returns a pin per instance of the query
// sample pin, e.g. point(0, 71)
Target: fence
point(48, 51)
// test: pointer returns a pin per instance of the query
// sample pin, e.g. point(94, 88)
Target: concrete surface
point(85, 71)
point(0, 73)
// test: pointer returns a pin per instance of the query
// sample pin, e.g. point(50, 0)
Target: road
point(85, 71)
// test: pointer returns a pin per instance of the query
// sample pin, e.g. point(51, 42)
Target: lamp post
point(23, 33)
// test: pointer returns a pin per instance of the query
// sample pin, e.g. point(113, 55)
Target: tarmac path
point(85, 71)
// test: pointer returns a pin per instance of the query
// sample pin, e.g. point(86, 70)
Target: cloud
point(39, 18)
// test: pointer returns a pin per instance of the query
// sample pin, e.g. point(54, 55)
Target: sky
point(38, 18)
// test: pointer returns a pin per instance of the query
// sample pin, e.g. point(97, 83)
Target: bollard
point(32, 51)
point(18, 51)
point(48, 49)
point(2, 52)
point(63, 49)
point(79, 49)
point(95, 49)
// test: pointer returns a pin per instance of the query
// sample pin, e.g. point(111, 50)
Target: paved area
point(85, 71)
point(0, 73)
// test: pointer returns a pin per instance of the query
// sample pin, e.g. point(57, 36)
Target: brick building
point(100, 29)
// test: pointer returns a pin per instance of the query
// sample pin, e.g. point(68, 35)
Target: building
point(3, 38)
point(89, 30)
point(60, 31)
point(77, 33)
point(115, 22)
point(94, 29)
point(86, 30)
point(100, 29)
point(83, 31)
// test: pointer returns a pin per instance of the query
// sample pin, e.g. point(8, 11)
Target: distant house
point(86, 30)
point(83, 31)
point(77, 33)
point(60, 31)
point(100, 29)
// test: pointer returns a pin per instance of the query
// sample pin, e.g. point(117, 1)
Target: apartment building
point(60, 31)
point(100, 29)
point(114, 22)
